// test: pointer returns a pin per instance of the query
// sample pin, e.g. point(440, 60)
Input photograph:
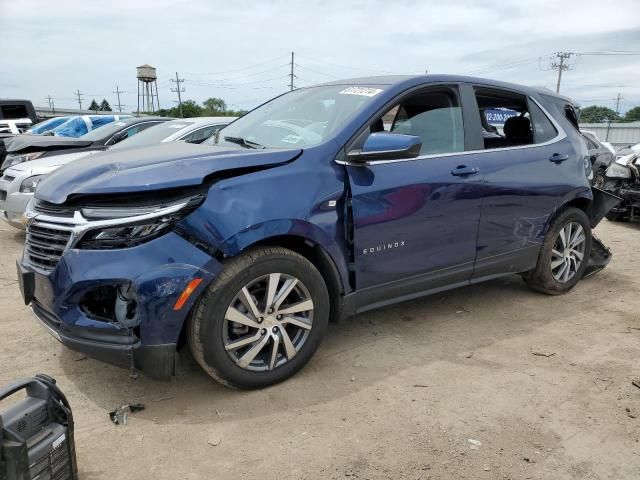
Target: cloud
point(240, 50)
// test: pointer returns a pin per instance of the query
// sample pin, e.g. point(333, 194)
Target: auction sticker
point(362, 91)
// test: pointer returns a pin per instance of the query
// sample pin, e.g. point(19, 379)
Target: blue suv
point(322, 203)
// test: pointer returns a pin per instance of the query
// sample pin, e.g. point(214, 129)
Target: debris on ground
point(635, 383)
point(120, 415)
point(420, 385)
point(474, 444)
point(215, 440)
point(528, 459)
point(541, 352)
point(629, 414)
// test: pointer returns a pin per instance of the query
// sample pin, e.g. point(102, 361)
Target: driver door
point(415, 220)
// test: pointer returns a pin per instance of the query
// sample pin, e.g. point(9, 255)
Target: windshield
point(153, 135)
point(47, 125)
point(99, 132)
point(301, 118)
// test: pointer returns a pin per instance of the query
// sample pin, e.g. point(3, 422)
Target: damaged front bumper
point(77, 301)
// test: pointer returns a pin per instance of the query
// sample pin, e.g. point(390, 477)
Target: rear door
point(415, 221)
point(529, 168)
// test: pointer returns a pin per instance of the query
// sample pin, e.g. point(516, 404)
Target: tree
point(597, 114)
point(104, 106)
point(632, 115)
point(214, 106)
point(94, 106)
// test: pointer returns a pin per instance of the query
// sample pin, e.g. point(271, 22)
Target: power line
point(178, 80)
point(561, 66)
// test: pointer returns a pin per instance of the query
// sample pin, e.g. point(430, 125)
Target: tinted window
point(156, 134)
point(14, 111)
point(543, 129)
point(201, 134)
point(434, 116)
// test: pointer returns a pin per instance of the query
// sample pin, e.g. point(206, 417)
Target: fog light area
point(112, 303)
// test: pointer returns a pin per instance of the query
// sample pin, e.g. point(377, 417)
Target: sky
point(241, 50)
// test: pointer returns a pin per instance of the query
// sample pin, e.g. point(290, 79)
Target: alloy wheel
point(568, 252)
point(268, 322)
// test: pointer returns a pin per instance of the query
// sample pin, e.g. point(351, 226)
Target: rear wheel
point(261, 320)
point(564, 255)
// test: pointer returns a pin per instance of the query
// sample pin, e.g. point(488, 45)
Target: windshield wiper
point(244, 142)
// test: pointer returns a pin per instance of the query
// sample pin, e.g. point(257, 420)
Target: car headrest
point(517, 128)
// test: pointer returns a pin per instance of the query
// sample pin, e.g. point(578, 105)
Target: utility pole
point(178, 80)
point(49, 100)
point(561, 66)
point(606, 138)
point(291, 75)
point(118, 92)
point(79, 95)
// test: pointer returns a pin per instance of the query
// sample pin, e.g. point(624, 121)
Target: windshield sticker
point(291, 139)
point(362, 91)
point(120, 124)
point(178, 126)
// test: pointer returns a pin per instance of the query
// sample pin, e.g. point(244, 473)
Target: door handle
point(463, 170)
point(557, 158)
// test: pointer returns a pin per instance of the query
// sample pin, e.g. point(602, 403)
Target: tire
point(213, 336)
point(543, 278)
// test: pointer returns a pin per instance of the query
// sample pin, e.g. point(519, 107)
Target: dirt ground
point(397, 393)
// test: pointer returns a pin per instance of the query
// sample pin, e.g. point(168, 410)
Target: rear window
point(11, 112)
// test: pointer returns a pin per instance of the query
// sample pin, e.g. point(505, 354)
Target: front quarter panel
point(303, 198)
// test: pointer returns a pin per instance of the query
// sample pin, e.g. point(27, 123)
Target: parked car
point(15, 127)
point(81, 125)
point(600, 157)
point(623, 179)
point(192, 130)
point(308, 208)
point(33, 156)
point(46, 125)
point(17, 109)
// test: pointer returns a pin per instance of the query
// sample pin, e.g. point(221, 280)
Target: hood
point(46, 164)
point(159, 167)
point(35, 143)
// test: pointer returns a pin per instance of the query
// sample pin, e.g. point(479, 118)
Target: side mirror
point(386, 146)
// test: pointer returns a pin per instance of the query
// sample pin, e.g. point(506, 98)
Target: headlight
point(122, 227)
point(618, 171)
point(14, 159)
point(29, 184)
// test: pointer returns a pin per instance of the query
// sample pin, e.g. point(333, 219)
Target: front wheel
point(564, 255)
point(261, 320)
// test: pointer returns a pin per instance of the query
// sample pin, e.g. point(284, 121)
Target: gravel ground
point(396, 393)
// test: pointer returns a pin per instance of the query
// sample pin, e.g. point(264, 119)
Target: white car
point(15, 126)
point(20, 180)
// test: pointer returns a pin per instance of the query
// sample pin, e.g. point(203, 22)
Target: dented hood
point(27, 143)
point(171, 165)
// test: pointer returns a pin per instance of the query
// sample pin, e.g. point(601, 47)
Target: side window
point(506, 120)
point(543, 129)
point(435, 116)
point(200, 135)
point(138, 128)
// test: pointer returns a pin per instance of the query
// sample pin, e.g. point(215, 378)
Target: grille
point(3, 195)
point(55, 466)
point(45, 245)
point(52, 209)
point(8, 178)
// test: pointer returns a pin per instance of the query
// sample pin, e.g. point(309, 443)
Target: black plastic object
point(598, 259)
point(36, 433)
point(602, 203)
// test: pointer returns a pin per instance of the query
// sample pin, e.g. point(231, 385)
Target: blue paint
point(409, 219)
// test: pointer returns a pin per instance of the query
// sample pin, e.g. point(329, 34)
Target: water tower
point(147, 79)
